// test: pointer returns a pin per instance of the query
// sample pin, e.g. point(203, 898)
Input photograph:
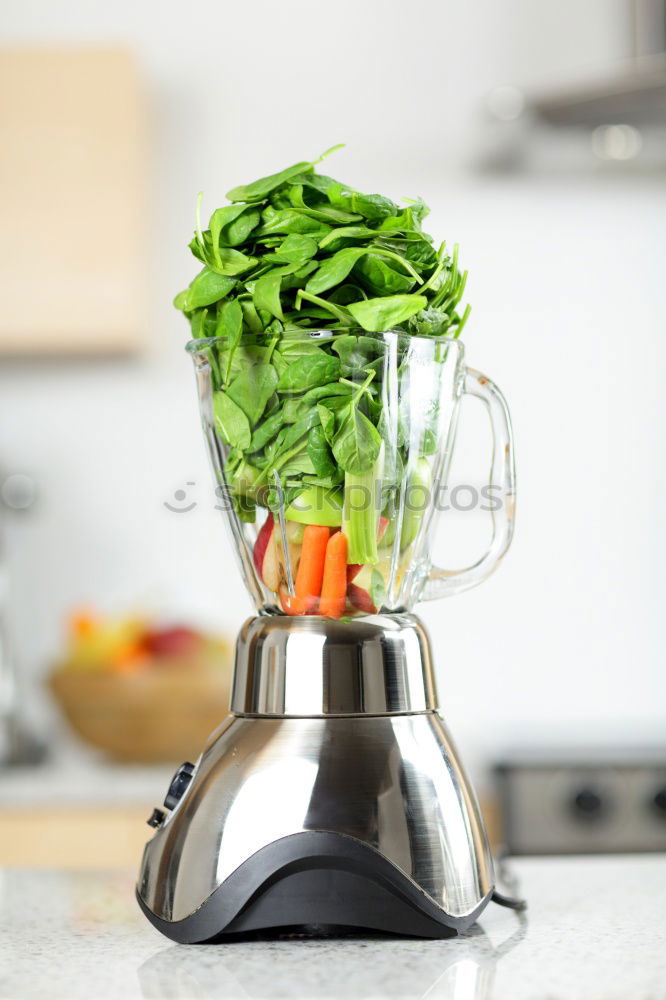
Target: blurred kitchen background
point(537, 134)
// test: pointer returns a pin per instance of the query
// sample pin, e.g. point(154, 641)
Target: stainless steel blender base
point(332, 796)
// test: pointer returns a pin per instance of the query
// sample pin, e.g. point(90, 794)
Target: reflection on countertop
point(354, 967)
point(594, 929)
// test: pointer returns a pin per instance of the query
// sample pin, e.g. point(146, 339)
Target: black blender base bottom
point(315, 882)
point(333, 898)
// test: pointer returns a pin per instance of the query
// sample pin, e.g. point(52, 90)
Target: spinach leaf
point(298, 464)
point(298, 278)
point(230, 325)
point(379, 278)
point(258, 190)
point(325, 304)
point(334, 403)
point(228, 261)
point(418, 252)
point(382, 313)
point(292, 220)
point(266, 431)
point(309, 371)
point(343, 233)
point(316, 182)
point(359, 354)
point(223, 260)
point(198, 323)
point(291, 348)
point(327, 418)
point(320, 453)
point(326, 482)
point(371, 206)
point(266, 293)
point(231, 422)
point(295, 249)
point(344, 294)
point(320, 210)
point(336, 268)
point(252, 389)
point(206, 288)
point(431, 322)
point(408, 220)
point(221, 218)
point(329, 389)
point(356, 442)
point(295, 434)
point(296, 407)
point(231, 226)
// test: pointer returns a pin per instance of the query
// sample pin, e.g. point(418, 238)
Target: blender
point(332, 796)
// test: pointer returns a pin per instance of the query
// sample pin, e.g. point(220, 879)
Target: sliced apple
point(261, 543)
point(294, 555)
point(353, 569)
point(316, 505)
point(360, 599)
point(295, 532)
point(270, 567)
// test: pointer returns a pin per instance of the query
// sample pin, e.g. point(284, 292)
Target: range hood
point(635, 95)
point(617, 117)
point(633, 92)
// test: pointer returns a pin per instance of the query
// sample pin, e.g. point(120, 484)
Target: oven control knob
point(179, 783)
point(659, 802)
point(587, 804)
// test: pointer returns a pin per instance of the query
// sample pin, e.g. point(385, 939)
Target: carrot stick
point(292, 605)
point(334, 586)
point(311, 565)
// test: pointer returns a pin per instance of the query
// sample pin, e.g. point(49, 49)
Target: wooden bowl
point(163, 713)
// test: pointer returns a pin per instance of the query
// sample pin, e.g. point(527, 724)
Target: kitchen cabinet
point(72, 201)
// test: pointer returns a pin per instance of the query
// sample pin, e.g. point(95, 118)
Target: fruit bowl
point(159, 704)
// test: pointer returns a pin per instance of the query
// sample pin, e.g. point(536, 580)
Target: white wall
point(566, 641)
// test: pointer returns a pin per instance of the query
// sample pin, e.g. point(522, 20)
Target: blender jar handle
point(444, 582)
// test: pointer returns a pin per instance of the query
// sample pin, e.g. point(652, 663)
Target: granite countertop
point(595, 930)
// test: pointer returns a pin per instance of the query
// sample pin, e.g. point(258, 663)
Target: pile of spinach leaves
point(300, 273)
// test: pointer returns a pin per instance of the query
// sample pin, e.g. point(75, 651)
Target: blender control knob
point(156, 818)
point(179, 783)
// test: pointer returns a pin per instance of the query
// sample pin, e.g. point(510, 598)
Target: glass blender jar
point(399, 410)
point(332, 795)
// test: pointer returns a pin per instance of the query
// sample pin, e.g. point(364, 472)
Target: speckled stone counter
point(595, 930)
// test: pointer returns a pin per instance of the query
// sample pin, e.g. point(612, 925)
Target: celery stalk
point(361, 510)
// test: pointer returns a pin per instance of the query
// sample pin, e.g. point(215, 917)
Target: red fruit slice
point(261, 543)
point(353, 569)
point(360, 599)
